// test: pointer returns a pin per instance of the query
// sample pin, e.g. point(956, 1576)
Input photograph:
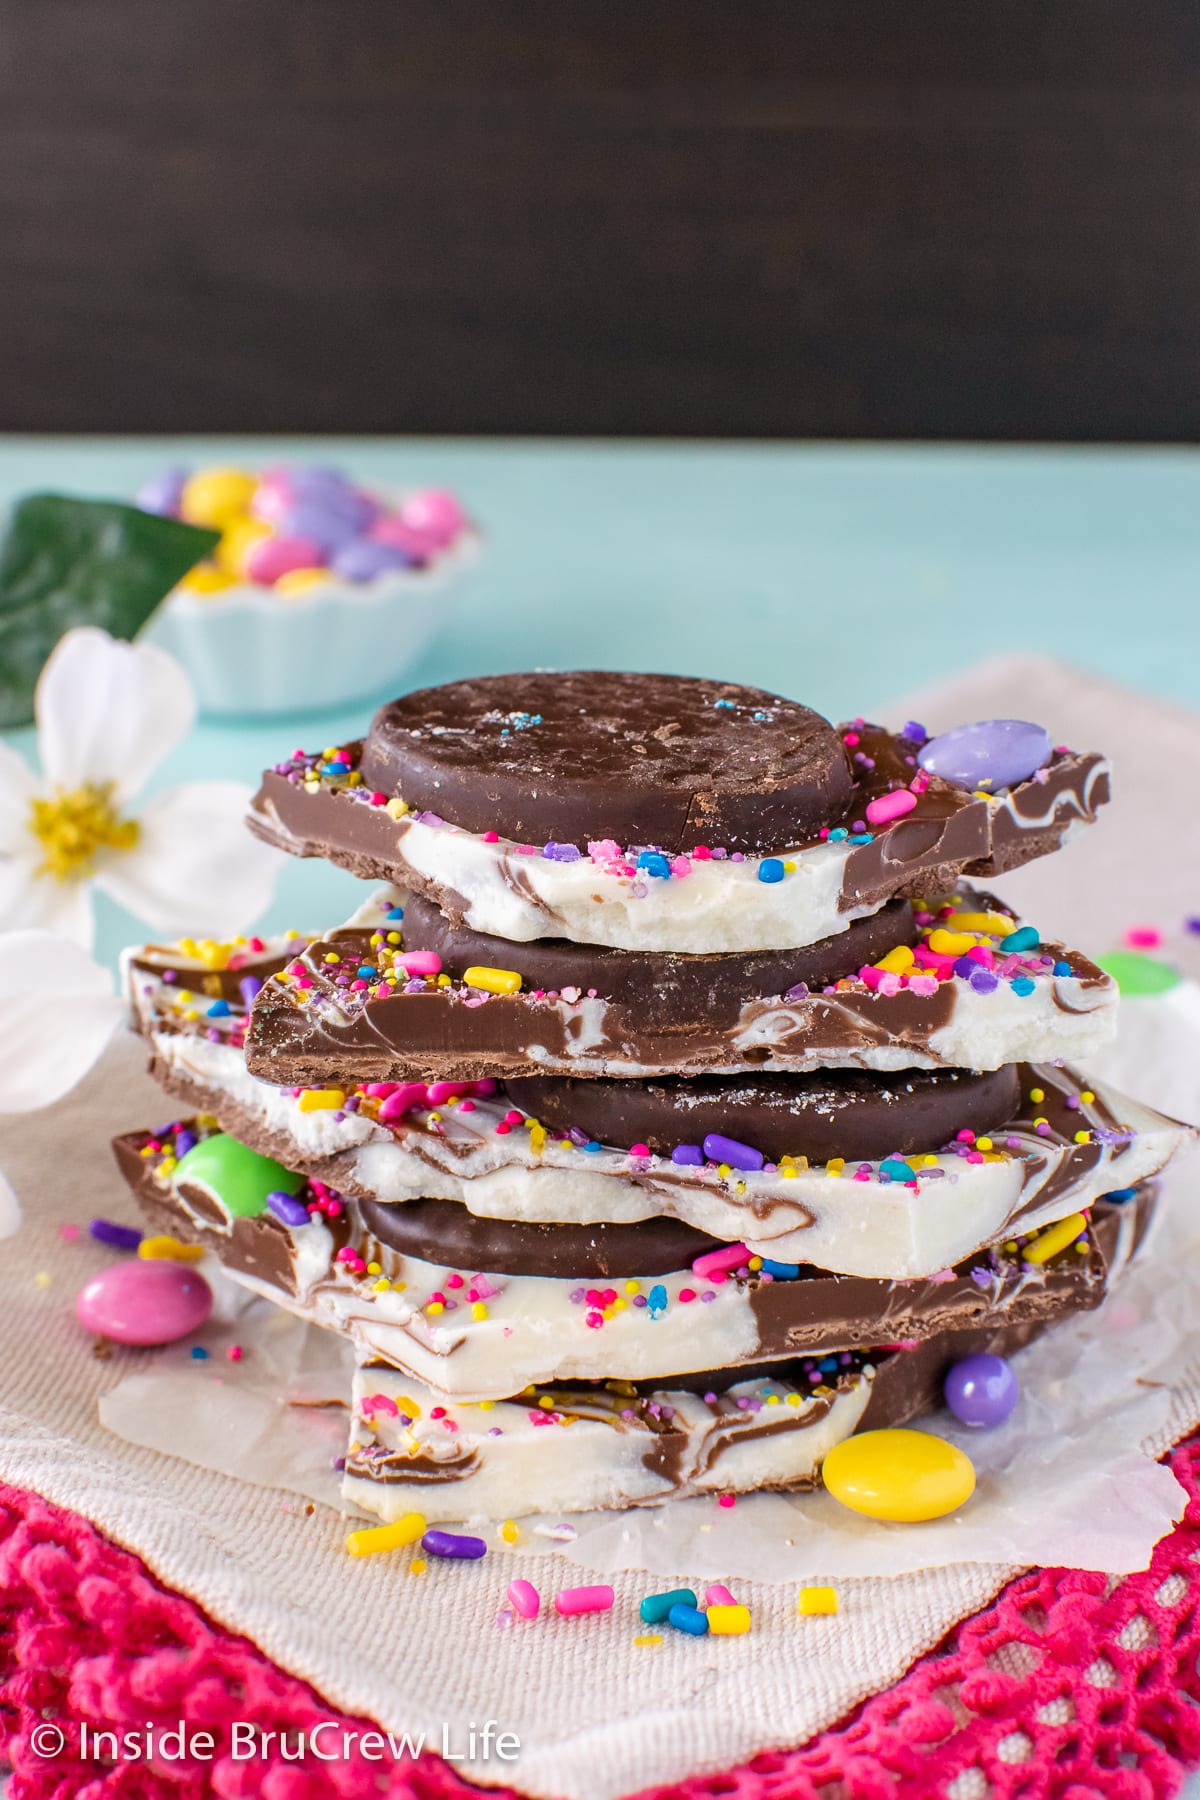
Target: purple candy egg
point(998, 752)
point(364, 559)
point(982, 1390)
point(150, 1301)
point(162, 492)
point(324, 519)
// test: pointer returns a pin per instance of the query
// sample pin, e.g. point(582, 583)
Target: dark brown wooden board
point(781, 217)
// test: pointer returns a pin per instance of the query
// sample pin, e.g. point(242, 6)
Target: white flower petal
point(10, 1207)
point(57, 1013)
point(109, 711)
point(19, 788)
point(196, 868)
point(32, 901)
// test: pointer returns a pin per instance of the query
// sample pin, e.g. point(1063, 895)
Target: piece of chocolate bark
point(398, 995)
point(480, 1308)
point(569, 1448)
point(661, 813)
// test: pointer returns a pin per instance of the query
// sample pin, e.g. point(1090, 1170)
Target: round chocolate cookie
point(443, 1231)
point(651, 761)
point(848, 1112)
point(693, 987)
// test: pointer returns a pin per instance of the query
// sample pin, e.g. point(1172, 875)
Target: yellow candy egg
point(301, 581)
point(240, 537)
point(205, 578)
point(899, 1475)
point(216, 496)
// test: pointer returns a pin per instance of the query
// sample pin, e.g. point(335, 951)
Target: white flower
point(57, 1013)
point(107, 715)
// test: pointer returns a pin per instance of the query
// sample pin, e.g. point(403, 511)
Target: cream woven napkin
point(596, 1717)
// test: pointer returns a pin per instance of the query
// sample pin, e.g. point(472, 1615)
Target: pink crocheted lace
point(1068, 1685)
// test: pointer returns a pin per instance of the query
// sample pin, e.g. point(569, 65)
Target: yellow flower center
point(72, 828)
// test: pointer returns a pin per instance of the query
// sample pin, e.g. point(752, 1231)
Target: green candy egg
point(237, 1178)
point(1138, 974)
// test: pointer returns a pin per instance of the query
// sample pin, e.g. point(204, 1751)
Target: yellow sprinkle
point(510, 1531)
point(537, 1139)
point(1087, 1096)
point(1037, 1095)
point(417, 1566)
point(382, 1285)
point(618, 1305)
point(42, 1278)
point(728, 1621)
point(1055, 1238)
point(169, 1249)
point(1041, 1121)
point(321, 1100)
point(836, 1164)
point(387, 1537)
point(443, 980)
point(435, 1306)
point(789, 868)
point(755, 1263)
point(493, 981)
point(331, 956)
point(633, 1287)
point(811, 1600)
point(897, 961)
point(374, 1268)
point(394, 938)
point(722, 1169)
point(546, 1403)
point(396, 808)
point(1083, 1137)
point(993, 923)
point(1081, 1248)
point(793, 1399)
point(407, 1406)
point(951, 943)
point(984, 1143)
point(478, 1310)
point(168, 1165)
point(772, 1399)
point(650, 1640)
point(485, 1405)
point(789, 1174)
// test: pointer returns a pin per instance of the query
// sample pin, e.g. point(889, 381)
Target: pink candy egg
point(390, 528)
point(435, 513)
point(146, 1301)
point(272, 557)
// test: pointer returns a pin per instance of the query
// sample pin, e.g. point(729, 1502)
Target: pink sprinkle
point(680, 866)
point(701, 853)
point(454, 1281)
point(639, 1150)
point(716, 1595)
point(438, 1092)
point(687, 1295)
point(714, 1262)
point(1143, 937)
point(851, 738)
point(583, 1600)
point(402, 1099)
point(68, 1233)
point(378, 799)
point(524, 1598)
point(256, 944)
point(420, 962)
point(593, 1319)
point(235, 1353)
point(378, 1403)
point(890, 806)
point(467, 1106)
point(483, 1287)
point(491, 837)
point(725, 1499)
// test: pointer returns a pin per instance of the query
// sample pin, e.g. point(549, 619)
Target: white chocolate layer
point(510, 1459)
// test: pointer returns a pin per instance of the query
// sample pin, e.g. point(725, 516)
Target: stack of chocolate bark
point(680, 1107)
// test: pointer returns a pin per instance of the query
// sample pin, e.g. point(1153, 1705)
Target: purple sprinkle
point(576, 1296)
point(287, 1208)
point(737, 857)
point(248, 986)
point(916, 734)
point(563, 853)
point(982, 980)
point(799, 992)
point(185, 1141)
point(728, 1150)
point(428, 818)
point(981, 1277)
point(118, 1237)
point(689, 1154)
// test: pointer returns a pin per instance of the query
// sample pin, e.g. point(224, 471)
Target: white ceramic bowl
point(256, 653)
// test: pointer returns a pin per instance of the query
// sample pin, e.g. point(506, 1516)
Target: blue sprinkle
point(1022, 984)
point(593, 1145)
point(1119, 1196)
point(1026, 938)
point(397, 912)
point(724, 703)
point(219, 1009)
point(199, 1353)
point(729, 1150)
point(860, 837)
point(896, 1170)
point(657, 1298)
point(1063, 968)
point(117, 1237)
point(365, 971)
point(781, 1271)
point(656, 1607)
point(828, 1364)
point(655, 863)
point(682, 1616)
point(771, 869)
point(690, 1154)
point(837, 834)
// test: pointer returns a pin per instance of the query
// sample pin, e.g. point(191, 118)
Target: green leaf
point(68, 562)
